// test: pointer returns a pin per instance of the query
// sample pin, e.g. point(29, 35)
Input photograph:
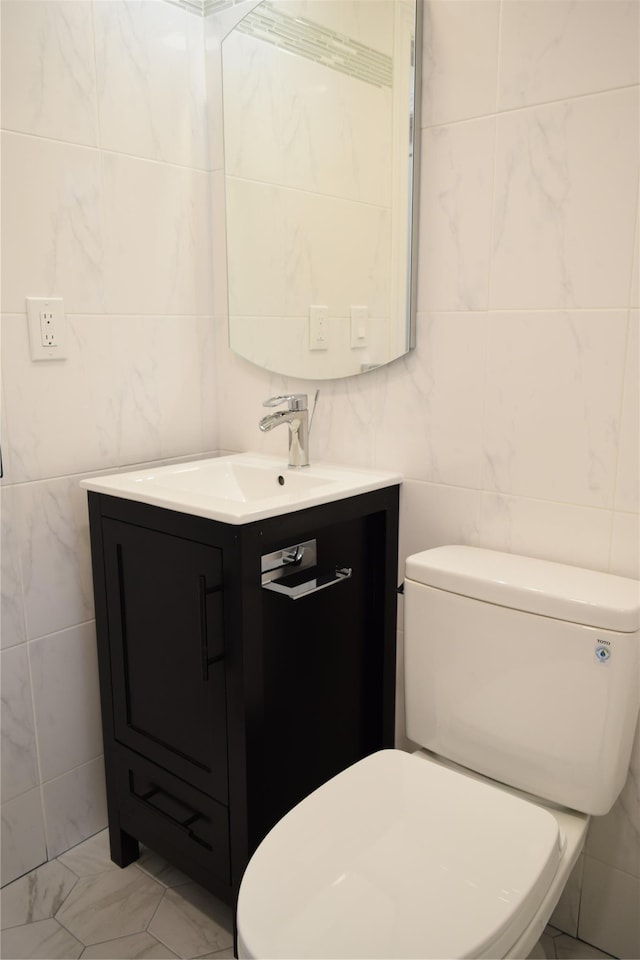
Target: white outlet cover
point(54, 306)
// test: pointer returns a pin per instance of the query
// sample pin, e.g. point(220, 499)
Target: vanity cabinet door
point(166, 642)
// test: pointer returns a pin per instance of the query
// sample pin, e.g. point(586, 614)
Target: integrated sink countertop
point(240, 488)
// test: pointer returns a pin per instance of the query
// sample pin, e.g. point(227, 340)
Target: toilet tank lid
point(550, 589)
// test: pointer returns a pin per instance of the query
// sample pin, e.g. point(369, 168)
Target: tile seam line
point(65, 773)
point(515, 496)
point(98, 148)
point(421, 312)
point(522, 310)
point(571, 98)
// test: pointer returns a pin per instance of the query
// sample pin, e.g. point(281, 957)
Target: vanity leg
point(124, 848)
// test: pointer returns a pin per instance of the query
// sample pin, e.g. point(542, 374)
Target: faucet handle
point(296, 401)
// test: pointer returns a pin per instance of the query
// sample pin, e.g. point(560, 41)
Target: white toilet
point(522, 686)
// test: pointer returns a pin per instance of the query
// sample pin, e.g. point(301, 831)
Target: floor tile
point(36, 896)
point(139, 946)
point(43, 940)
point(160, 870)
point(569, 949)
point(227, 954)
point(90, 857)
point(542, 950)
point(110, 905)
point(547, 946)
point(192, 923)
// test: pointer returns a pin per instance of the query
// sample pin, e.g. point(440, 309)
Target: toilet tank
point(524, 670)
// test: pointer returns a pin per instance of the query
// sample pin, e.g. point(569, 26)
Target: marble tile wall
point(515, 420)
point(105, 202)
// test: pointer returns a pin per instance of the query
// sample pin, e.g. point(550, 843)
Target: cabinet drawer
point(173, 818)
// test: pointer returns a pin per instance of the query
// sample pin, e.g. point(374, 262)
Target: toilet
point(522, 682)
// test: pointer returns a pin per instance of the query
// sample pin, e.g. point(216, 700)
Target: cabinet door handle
point(299, 590)
point(206, 660)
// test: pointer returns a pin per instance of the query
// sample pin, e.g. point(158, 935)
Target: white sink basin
point(240, 488)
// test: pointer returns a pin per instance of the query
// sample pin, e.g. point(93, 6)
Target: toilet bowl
point(416, 855)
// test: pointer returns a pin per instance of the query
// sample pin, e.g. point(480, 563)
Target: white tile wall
point(23, 839)
point(551, 51)
point(609, 909)
point(19, 755)
point(162, 386)
point(44, 444)
point(12, 628)
point(437, 393)
point(105, 191)
point(627, 493)
point(62, 191)
point(456, 177)
point(74, 806)
point(48, 70)
point(565, 179)
point(564, 532)
point(561, 372)
point(515, 421)
point(625, 545)
point(148, 82)
point(52, 529)
point(460, 42)
point(156, 253)
point(64, 671)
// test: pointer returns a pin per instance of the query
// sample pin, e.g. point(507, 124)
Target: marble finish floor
point(555, 945)
point(83, 905)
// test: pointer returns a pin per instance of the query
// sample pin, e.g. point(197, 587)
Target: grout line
point(534, 105)
point(97, 148)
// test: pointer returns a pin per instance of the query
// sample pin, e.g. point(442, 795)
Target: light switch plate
point(359, 327)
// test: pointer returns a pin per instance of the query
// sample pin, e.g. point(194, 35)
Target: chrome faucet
point(297, 416)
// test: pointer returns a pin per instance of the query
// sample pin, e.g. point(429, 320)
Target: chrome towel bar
point(299, 590)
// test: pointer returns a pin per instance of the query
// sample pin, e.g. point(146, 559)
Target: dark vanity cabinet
point(225, 701)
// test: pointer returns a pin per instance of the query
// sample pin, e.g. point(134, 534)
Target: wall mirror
point(319, 105)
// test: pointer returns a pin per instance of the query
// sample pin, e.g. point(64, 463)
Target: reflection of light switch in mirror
point(318, 327)
point(359, 318)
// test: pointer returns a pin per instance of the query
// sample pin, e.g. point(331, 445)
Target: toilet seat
point(398, 857)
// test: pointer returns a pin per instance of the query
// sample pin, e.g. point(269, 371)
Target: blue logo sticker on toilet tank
point(603, 650)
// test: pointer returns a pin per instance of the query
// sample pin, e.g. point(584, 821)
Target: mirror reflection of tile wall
point(311, 176)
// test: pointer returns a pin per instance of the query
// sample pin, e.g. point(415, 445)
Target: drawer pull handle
point(191, 816)
point(299, 590)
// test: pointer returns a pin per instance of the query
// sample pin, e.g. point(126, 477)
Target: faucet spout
point(273, 420)
point(297, 417)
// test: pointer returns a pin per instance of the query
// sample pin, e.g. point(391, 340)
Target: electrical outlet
point(318, 327)
point(47, 328)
